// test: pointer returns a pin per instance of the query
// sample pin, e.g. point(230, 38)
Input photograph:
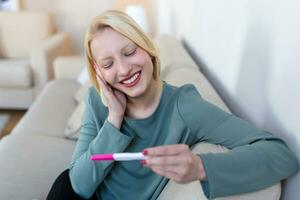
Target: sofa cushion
point(83, 76)
point(74, 124)
point(33, 27)
point(50, 112)
point(68, 67)
point(180, 75)
point(16, 98)
point(30, 163)
point(15, 73)
point(82, 91)
point(171, 51)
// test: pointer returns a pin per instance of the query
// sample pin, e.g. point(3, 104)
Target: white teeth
point(133, 78)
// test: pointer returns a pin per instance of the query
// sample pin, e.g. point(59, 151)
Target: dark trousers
point(62, 189)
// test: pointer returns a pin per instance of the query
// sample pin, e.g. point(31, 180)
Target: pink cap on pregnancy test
point(118, 156)
point(102, 157)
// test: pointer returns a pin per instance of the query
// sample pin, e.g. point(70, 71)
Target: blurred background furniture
point(29, 44)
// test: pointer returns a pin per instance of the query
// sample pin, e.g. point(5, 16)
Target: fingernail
point(145, 152)
point(143, 162)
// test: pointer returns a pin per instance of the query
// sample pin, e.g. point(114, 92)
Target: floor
point(15, 116)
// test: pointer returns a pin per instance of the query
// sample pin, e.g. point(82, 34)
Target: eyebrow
point(122, 49)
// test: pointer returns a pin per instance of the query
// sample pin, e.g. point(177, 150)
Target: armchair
point(28, 47)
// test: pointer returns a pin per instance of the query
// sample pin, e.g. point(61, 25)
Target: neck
point(145, 105)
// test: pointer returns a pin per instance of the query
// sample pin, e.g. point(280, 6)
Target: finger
point(177, 177)
point(166, 150)
point(106, 89)
point(95, 64)
point(170, 169)
point(168, 174)
point(99, 76)
point(99, 80)
point(97, 69)
point(120, 95)
point(98, 73)
point(162, 160)
point(102, 82)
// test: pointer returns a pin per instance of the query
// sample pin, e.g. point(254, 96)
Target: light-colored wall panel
point(250, 52)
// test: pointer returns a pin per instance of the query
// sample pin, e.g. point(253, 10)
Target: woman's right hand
point(116, 101)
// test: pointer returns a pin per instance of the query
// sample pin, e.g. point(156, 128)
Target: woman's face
point(124, 65)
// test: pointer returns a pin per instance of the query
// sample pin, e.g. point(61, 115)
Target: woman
point(136, 111)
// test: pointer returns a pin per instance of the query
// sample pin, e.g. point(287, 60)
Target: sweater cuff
point(205, 184)
point(205, 188)
point(111, 139)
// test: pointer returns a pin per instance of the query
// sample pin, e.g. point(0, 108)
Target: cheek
point(143, 59)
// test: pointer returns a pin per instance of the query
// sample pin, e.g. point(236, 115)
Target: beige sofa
point(28, 46)
point(37, 151)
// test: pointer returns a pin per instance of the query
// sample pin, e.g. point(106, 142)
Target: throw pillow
point(82, 91)
point(83, 76)
point(74, 124)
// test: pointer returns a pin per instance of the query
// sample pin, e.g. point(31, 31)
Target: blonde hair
point(126, 26)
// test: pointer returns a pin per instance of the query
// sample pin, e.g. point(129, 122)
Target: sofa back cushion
point(15, 73)
point(171, 52)
point(74, 123)
point(180, 75)
point(20, 32)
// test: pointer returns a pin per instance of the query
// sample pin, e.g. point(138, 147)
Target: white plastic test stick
point(119, 156)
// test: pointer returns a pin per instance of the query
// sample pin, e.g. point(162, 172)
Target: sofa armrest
point(42, 57)
point(68, 67)
point(193, 190)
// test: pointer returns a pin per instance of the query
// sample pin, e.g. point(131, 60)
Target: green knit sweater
point(256, 159)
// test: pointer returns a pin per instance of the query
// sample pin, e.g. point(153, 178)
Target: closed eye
point(131, 53)
point(108, 65)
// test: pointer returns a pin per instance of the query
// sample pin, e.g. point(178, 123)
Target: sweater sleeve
point(256, 160)
point(86, 175)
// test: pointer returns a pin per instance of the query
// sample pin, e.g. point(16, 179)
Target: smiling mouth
point(133, 80)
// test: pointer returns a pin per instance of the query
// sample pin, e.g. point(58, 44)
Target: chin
point(135, 93)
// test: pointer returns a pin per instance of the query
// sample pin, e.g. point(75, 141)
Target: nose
point(124, 68)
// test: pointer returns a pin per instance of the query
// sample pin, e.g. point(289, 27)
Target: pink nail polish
point(145, 152)
point(143, 162)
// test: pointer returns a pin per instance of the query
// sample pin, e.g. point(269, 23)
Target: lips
point(132, 81)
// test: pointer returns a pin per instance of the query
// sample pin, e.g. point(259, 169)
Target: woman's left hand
point(175, 162)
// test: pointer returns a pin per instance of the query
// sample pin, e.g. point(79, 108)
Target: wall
point(250, 51)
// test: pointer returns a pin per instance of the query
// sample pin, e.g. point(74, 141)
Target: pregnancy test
point(118, 156)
